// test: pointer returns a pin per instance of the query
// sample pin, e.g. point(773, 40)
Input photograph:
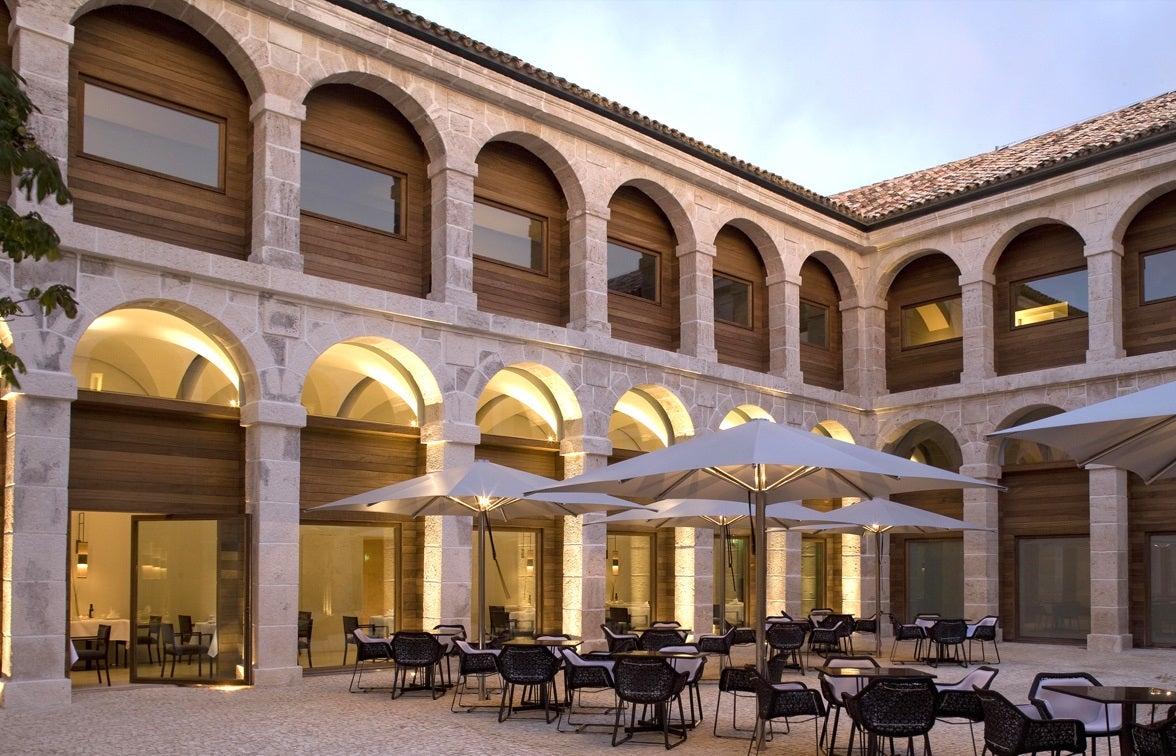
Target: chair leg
point(345, 645)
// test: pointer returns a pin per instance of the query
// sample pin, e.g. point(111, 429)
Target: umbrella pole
point(481, 578)
point(878, 594)
point(761, 585)
point(724, 537)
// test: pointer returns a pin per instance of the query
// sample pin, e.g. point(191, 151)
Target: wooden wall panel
point(355, 123)
point(1040, 503)
point(1148, 327)
point(822, 367)
point(547, 463)
point(927, 279)
point(747, 347)
point(133, 454)
point(1150, 513)
point(148, 53)
point(512, 177)
point(1039, 252)
point(637, 222)
point(341, 458)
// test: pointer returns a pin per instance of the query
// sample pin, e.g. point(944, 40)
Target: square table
point(893, 673)
point(1127, 695)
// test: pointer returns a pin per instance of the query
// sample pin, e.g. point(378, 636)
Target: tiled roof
point(867, 205)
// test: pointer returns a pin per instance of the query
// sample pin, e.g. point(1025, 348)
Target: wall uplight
point(82, 548)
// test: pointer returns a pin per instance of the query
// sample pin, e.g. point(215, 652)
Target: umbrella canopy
point(478, 490)
point(881, 516)
point(1136, 432)
point(764, 463)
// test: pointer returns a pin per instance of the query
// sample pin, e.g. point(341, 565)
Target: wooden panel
point(339, 461)
point(946, 503)
point(822, 367)
point(1039, 252)
point(1150, 513)
point(1151, 327)
point(355, 123)
point(926, 279)
point(150, 54)
point(737, 258)
point(155, 461)
point(1039, 503)
point(637, 222)
point(510, 176)
point(549, 464)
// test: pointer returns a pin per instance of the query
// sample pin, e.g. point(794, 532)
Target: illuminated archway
point(742, 414)
point(363, 381)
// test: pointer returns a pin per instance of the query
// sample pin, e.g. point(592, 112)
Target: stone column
point(696, 295)
point(782, 550)
point(452, 192)
point(784, 327)
point(863, 328)
point(857, 575)
point(694, 582)
point(448, 551)
point(1110, 630)
point(277, 165)
point(981, 547)
point(979, 337)
point(588, 270)
point(584, 546)
point(1104, 267)
point(273, 448)
point(33, 637)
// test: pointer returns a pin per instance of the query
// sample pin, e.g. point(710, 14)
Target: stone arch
point(743, 413)
point(896, 266)
point(928, 442)
point(675, 411)
point(684, 231)
point(1005, 237)
point(571, 183)
point(834, 429)
point(769, 251)
point(847, 287)
point(1001, 452)
point(1125, 214)
point(549, 385)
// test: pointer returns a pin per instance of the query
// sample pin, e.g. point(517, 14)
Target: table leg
point(1126, 745)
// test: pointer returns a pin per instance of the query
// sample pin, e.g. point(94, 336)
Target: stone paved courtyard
point(319, 716)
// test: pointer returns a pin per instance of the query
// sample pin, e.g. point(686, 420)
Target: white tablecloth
point(207, 630)
point(120, 629)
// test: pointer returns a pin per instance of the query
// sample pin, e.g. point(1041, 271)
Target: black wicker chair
point(893, 708)
point(369, 652)
point(694, 668)
point(97, 650)
point(956, 703)
point(534, 668)
point(834, 690)
point(786, 701)
point(1156, 739)
point(947, 638)
point(911, 633)
point(1097, 719)
point(619, 641)
point(983, 632)
point(833, 635)
point(738, 681)
point(1008, 731)
point(648, 682)
point(448, 635)
point(786, 639)
point(478, 663)
point(657, 638)
point(717, 645)
point(420, 653)
point(580, 674)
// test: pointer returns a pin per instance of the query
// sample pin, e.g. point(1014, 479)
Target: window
point(732, 301)
point(351, 193)
point(508, 237)
point(154, 137)
point(1162, 595)
point(814, 324)
point(1159, 275)
point(632, 272)
point(935, 577)
point(1051, 298)
point(1053, 587)
point(932, 322)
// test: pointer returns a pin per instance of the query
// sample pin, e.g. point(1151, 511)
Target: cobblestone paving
point(319, 716)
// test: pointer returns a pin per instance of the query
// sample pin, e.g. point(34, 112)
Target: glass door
point(189, 589)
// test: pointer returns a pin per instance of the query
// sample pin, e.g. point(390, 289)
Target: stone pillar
point(277, 165)
point(273, 435)
point(863, 328)
point(694, 582)
point(584, 547)
point(448, 551)
point(981, 547)
point(588, 270)
point(979, 336)
point(1110, 630)
point(1104, 277)
point(452, 192)
point(696, 300)
point(782, 550)
point(33, 637)
point(857, 575)
point(784, 327)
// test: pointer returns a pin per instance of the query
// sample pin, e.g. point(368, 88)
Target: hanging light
point(82, 548)
point(616, 556)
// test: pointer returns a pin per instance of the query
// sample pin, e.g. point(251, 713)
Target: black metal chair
point(188, 631)
point(1098, 720)
point(171, 644)
point(534, 668)
point(148, 636)
point(420, 653)
point(305, 630)
point(369, 652)
point(890, 708)
point(501, 625)
point(786, 639)
point(833, 635)
point(1156, 739)
point(947, 638)
point(956, 703)
point(97, 650)
point(478, 663)
point(350, 625)
point(448, 635)
point(581, 674)
point(1009, 731)
point(786, 701)
point(983, 632)
point(834, 690)
point(906, 633)
point(738, 681)
point(648, 682)
point(619, 641)
point(657, 638)
point(717, 645)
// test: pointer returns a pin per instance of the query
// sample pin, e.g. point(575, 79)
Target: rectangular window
point(1053, 587)
point(935, 577)
point(629, 575)
point(1162, 578)
point(933, 322)
point(632, 272)
point(150, 136)
point(814, 324)
point(732, 301)
point(1052, 298)
point(508, 237)
point(1159, 275)
point(351, 193)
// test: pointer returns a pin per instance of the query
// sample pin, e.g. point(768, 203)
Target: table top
point(120, 629)
point(640, 654)
point(893, 672)
point(1133, 694)
point(555, 643)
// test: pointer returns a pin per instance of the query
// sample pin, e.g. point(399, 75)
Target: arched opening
point(642, 271)
point(924, 325)
point(740, 301)
point(1149, 278)
point(821, 360)
point(743, 413)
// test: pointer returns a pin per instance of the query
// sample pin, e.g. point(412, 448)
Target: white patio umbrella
point(764, 462)
point(882, 516)
point(1136, 432)
point(478, 490)
point(721, 514)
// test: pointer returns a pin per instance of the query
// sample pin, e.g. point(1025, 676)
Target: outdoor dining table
point(87, 630)
point(1128, 695)
point(551, 643)
point(892, 673)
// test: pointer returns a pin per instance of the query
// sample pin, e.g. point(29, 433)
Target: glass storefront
point(629, 578)
point(1162, 592)
point(935, 577)
point(1053, 588)
point(812, 575)
point(512, 582)
point(731, 568)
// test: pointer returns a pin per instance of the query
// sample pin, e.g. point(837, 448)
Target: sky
point(839, 94)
